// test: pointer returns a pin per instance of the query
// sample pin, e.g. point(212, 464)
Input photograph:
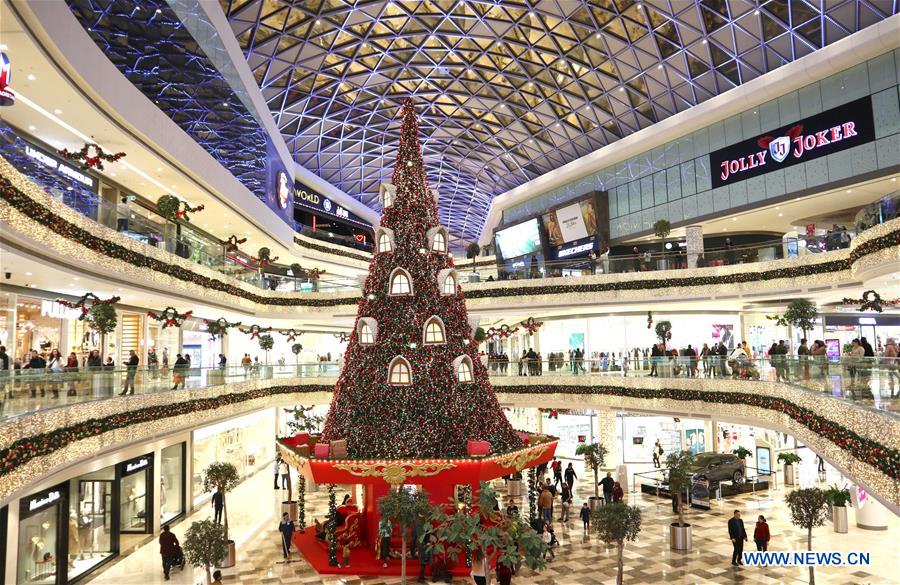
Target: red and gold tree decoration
point(435, 414)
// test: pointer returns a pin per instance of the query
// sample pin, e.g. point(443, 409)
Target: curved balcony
point(35, 220)
point(847, 412)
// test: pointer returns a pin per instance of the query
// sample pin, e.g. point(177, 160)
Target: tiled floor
point(580, 560)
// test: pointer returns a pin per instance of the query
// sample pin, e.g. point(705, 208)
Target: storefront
point(36, 327)
point(841, 329)
point(639, 435)
point(324, 219)
point(65, 532)
point(245, 442)
point(199, 344)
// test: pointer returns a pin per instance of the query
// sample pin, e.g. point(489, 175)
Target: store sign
point(306, 197)
point(7, 97)
point(44, 500)
point(575, 249)
point(60, 167)
point(282, 189)
point(832, 131)
point(54, 310)
point(136, 465)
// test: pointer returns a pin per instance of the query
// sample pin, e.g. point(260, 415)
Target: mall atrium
point(557, 292)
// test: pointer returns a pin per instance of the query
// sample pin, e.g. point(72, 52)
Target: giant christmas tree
point(412, 383)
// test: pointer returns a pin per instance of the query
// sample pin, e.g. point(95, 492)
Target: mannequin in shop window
point(74, 540)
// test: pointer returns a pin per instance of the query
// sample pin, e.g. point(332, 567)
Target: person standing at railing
point(721, 355)
point(36, 364)
point(130, 372)
point(153, 363)
point(890, 362)
point(72, 371)
point(655, 355)
point(854, 359)
point(5, 372)
point(56, 365)
point(178, 371)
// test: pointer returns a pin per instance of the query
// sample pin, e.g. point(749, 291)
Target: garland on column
point(532, 496)
point(331, 526)
point(89, 160)
point(301, 500)
point(170, 317)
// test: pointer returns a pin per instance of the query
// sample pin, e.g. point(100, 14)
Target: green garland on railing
point(882, 458)
point(532, 494)
point(331, 526)
point(23, 203)
point(301, 500)
point(328, 250)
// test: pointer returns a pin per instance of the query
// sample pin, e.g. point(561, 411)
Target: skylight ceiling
point(507, 90)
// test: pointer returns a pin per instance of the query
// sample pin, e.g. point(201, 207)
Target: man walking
point(557, 471)
point(566, 500)
point(570, 476)
point(130, 372)
point(168, 549)
point(545, 503)
point(218, 502)
point(608, 483)
point(738, 537)
point(286, 528)
point(285, 474)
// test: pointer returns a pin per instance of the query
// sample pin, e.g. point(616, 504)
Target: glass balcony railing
point(867, 382)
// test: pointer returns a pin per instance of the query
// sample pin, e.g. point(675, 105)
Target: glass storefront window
point(135, 499)
point(39, 523)
point(34, 330)
point(89, 524)
point(171, 483)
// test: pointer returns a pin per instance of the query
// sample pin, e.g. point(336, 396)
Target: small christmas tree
point(412, 384)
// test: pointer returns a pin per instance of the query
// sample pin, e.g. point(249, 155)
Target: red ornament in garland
point(435, 414)
point(91, 156)
point(170, 317)
point(255, 330)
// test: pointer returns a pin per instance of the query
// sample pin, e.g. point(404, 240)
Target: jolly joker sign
point(831, 131)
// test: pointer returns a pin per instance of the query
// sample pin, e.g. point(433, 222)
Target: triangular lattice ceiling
point(509, 90)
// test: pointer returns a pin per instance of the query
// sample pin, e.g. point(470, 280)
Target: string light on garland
point(254, 330)
point(531, 325)
point(91, 156)
point(871, 301)
point(331, 526)
point(170, 317)
point(219, 327)
point(85, 308)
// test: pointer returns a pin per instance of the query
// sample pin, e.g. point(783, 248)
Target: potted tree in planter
point(266, 343)
point(789, 460)
point(296, 349)
point(514, 485)
point(679, 475)
point(808, 508)
point(472, 252)
point(800, 313)
point(838, 498)
point(743, 453)
point(222, 477)
point(204, 546)
point(594, 457)
point(407, 511)
point(616, 524)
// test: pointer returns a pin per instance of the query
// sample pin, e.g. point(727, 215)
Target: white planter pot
point(788, 474)
point(680, 537)
point(839, 517)
point(514, 488)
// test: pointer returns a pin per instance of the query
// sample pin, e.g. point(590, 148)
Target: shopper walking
point(608, 483)
point(565, 497)
point(570, 476)
point(761, 534)
point(130, 372)
point(585, 516)
point(218, 503)
point(285, 474)
point(556, 466)
point(738, 536)
point(286, 528)
point(425, 555)
point(657, 453)
point(545, 503)
point(168, 549)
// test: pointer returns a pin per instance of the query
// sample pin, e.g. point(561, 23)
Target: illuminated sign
point(7, 97)
point(134, 465)
point(306, 197)
point(282, 189)
point(837, 129)
point(49, 161)
point(575, 249)
point(41, 502)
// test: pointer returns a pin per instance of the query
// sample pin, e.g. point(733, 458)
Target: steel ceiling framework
point(510, 89)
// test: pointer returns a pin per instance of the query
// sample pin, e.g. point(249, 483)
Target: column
point(870, 513)
point(694, 242)
point(155, 505)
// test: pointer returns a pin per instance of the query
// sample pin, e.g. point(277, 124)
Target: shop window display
point(39, 524)
point(171, 483)
point(135, 499)
point(89, 529)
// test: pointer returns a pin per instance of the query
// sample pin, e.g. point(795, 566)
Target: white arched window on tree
point(437, 239)
point(447, 281)
point(399, 372)
point(388, 194)
point(401, 283)
point(434, 332)
point(384, 242)
point(367, 331)
point(462, 368)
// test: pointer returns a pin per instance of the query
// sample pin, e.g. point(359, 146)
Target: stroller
point(744, 369)
point(178, 561)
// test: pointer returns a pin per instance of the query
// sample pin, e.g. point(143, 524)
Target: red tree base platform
point(362, 560)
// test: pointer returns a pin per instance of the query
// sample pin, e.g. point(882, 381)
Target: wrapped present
point(321, 451)
point(303, 450)
point(478, 448)
point(338, 449)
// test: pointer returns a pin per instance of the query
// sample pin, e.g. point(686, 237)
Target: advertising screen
point(519, 240)
point(572, 222)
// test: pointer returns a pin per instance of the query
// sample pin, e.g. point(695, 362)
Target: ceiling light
point(704, 41)
point(27, 274)
point(598, 36)
point(849, 190)
point(112, 174)
point(158, 11)
point(894, 179)
point(318, 21)
point(777, 207)
point(756, 12)
point(121, 289)
point(724, 229)
point(225, 226)
point(57, 111)
point(158, 169)
point(31, 77)
point(77, 278)
point(204, 225)
point(659, 66)
point(780, 215)
point(733, 219)
point(32, 128)
point(621, 89)
point(173, 186)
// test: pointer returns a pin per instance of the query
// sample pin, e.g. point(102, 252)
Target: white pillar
point(870, 514)
point(694, 242)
